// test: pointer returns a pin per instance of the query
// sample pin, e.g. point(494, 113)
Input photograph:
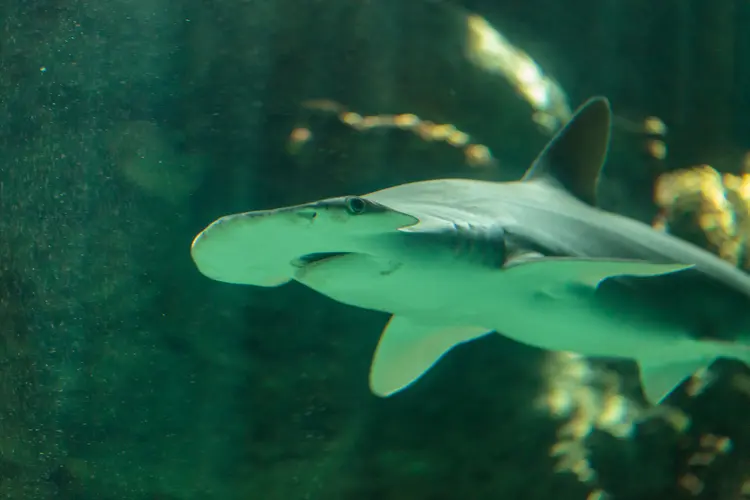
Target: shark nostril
point(308, 214)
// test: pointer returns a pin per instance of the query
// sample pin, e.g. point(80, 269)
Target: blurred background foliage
point(128, 125)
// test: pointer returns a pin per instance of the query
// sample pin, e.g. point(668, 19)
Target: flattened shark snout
point(267, 248)
point(253, 248)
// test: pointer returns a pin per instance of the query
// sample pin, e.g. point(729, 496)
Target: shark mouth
point(316, 258)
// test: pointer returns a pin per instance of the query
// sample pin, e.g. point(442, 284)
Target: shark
point(536, 260)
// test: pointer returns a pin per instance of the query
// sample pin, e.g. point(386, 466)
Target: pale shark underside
point(534, 260)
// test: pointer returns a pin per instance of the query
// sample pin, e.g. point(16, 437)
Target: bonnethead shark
point(535, 260)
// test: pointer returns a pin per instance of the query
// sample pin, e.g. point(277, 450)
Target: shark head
point(269, 247)
point(347, 240)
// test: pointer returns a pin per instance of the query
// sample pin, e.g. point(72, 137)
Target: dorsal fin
point(574, 157)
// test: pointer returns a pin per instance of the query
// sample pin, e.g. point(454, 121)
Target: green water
point(127, 126)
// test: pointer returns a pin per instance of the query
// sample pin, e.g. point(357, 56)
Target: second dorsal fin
point(574, 157)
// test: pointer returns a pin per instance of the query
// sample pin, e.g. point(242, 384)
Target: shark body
point(535, 260)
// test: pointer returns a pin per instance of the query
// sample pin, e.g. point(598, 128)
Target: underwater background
point(126, 126)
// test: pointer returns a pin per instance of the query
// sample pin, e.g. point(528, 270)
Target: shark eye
point(355, 205)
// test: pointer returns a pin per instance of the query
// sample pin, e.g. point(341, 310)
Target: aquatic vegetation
point(476, 155)
point(493, 52)
point(711, 209)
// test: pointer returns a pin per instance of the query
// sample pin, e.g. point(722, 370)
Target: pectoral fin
point(586, 272)
point(408, 348)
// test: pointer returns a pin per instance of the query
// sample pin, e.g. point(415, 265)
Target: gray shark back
point(541, 217)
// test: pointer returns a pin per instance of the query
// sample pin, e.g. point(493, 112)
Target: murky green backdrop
point(126, 126)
